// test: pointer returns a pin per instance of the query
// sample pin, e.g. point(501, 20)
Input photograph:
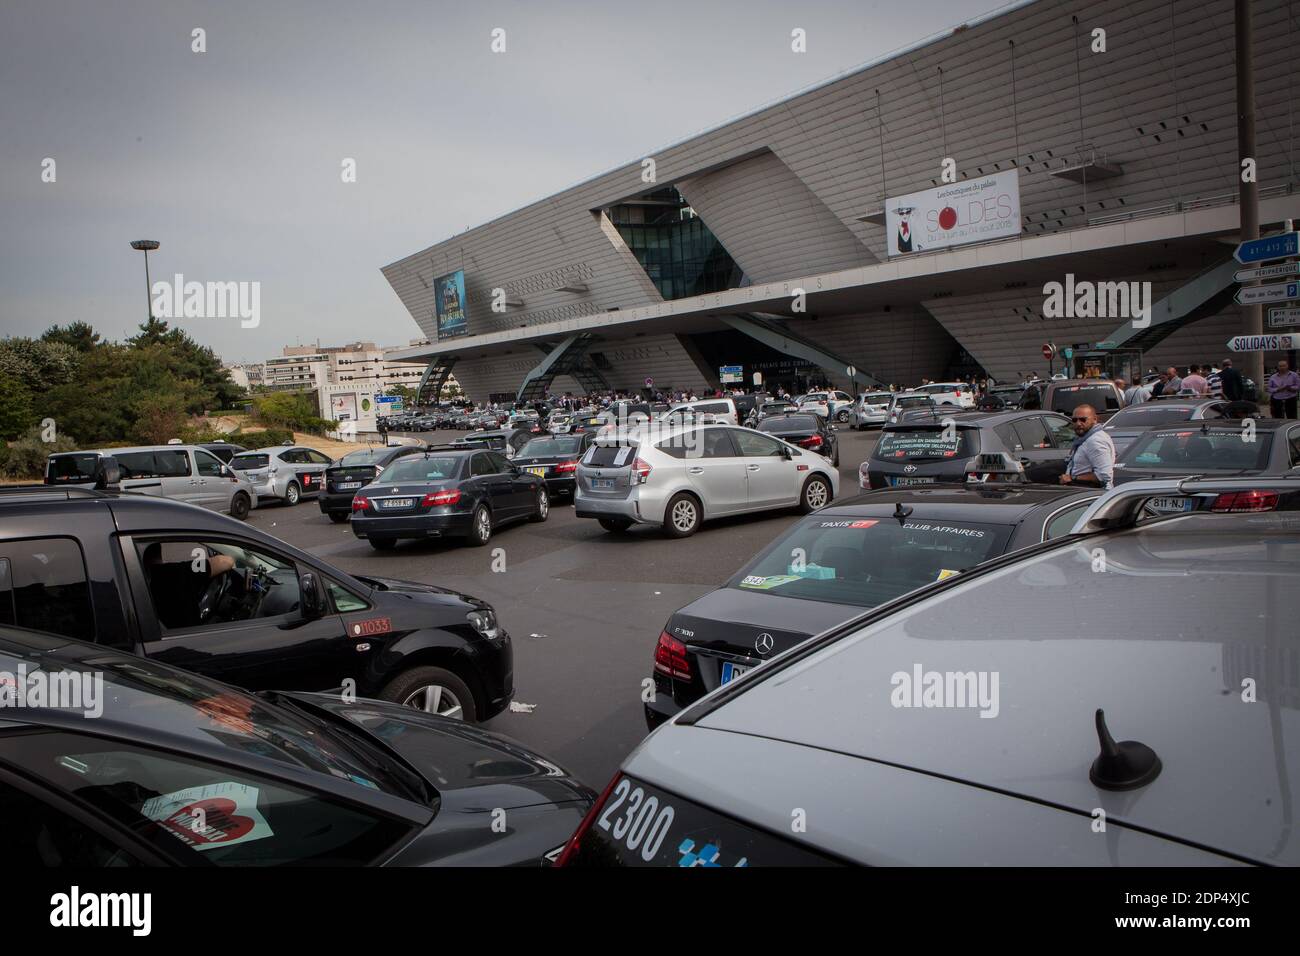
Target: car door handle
point(695, 471)
point(753, 467)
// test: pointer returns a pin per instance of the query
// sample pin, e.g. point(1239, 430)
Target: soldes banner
point(974, 210)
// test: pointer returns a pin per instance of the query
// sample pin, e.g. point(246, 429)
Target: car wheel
point(383, 544)
point(816, 494)
point(239, 506)
point(292, 494)
point(682, 516)
point(433, 690)
point(480, 528)
point(842, 415)
point(543, 505)
point(615, 524)
point(338, 517)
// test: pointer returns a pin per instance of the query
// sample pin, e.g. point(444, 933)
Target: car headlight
point(483, 620)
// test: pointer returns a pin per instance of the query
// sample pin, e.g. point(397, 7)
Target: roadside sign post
point(1285, 245)
point(1269, 342)
point(1048, 351)
point(1283, 318)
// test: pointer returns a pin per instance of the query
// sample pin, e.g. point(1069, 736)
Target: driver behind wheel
point(178, 588)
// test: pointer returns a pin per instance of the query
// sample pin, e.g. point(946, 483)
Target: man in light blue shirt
point(1092, 456)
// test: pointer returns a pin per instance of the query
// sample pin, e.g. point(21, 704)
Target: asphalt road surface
point(583, 607)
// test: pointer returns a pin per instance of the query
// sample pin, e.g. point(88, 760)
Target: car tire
point(338, 517)
point(383, 544)
point(615, 524)
point(240, 506)
point(543, 506)
point(427, 687)
point(842, 416)
point(810, 499)
point(480, 528)
point(292, 494)
point(682, 516)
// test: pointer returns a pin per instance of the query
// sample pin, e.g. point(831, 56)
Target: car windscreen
point(545, 447)
point(71, 467)
point(248, 462)
point(1066, 398)
point(867, 561)
point(927, 443)
point(422, 468)
point(1192, 450)
point(789, 423)
point(1148, 415)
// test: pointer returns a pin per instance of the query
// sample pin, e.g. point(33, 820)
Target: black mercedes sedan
point(176, 769)
point(452, 492)
point(554, 459)
point(804, 429)
point(353, 471)
point(841, 560)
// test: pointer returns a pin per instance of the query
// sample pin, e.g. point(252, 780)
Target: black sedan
point(353, 472)
point(554, 458)
point(805, 430)
point(184, 771)
point(951, 449)
point(840, 560)
point(453, 493)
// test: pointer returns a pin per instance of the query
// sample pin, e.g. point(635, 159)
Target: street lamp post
point(146, 246)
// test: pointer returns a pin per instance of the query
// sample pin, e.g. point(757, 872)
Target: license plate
point(1171, 505)
point(536, 471)
point(731, 671)
point(911, 481)
point(602, 482)
point(346, 485)
point(396, 502)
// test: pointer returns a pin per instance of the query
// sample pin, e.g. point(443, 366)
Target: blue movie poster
point(449, 298)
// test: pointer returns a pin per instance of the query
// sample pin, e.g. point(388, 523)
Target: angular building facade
point(1124, 168)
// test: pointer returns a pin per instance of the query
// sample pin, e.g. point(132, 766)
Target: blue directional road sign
point(1269, 247)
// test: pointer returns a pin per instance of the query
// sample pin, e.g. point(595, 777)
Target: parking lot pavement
point(583, 607)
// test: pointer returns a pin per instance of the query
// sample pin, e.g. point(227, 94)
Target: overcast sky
point(232, 158)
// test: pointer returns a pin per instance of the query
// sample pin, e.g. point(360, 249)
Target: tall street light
point(146, 246)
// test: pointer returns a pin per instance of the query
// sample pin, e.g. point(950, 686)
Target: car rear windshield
point(914, 400)
point(420, 468)
point(789, 423)
point(867, 561)
point(1147, 415)
point(1193, 450)
point(71, 467)
point(246, 462)
point(610, 456)
point(153, 464)
point(877, 398)
point(1066, 398)
point(543, 447)
point(927, 443)
point(366, 457)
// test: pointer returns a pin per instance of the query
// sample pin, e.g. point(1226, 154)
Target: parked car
point(196, 590)
point(447, 492)
point(767, 409)
point(1065, 395)
point(902, 401)
point(1130, 422)
point(805, 429)
point(1092, 714)
point(223, 450)
point(706, 411)
point(185, 473)
point(284, 472)
point(678, 476)
point(827, 568)
point(949, 393)
point(182, 770)
point(554, 459)
point(354, 471)
point(871, 408)
point(832, 406)
point(506, 440)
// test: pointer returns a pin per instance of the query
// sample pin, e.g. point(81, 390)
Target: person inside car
point(178, 587)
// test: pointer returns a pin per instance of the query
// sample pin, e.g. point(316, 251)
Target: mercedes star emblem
point(763, 643)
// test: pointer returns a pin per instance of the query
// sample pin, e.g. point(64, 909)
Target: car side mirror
point(225, 471)
point(786, 454)
point(313, 597)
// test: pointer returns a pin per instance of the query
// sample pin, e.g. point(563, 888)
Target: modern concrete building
point(1112, 154)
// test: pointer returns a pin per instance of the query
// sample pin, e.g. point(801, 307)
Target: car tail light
point(670, 657)
point(360, 503)
point(571, 846)
point(438, 498)
point(566, 466)
point(641, 468)
point(1237, 501)
point(812, 441)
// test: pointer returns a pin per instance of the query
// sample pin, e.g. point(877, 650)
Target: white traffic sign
point(1269, 272)
point(1280, 292)
point(1283, 318)
point(1273, 342)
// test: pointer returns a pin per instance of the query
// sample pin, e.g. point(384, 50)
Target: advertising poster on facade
point(449, 299)
point(973, 210)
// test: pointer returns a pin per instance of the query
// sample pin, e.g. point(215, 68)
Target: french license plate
point(911, 481)
point(536, 471)
point(731, 671)
point(602, 483)
point(1166, 506)
point(348, 485)
point(397, 502)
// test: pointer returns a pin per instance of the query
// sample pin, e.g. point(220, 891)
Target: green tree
point(16, 412)
point(79, 335)
point(37, 364)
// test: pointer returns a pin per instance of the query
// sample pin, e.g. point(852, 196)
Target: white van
point(705, 411)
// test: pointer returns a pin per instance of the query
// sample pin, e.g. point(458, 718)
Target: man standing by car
point(1173, 382)
point(1092, 456)
point(1234, 390)
point(1196, 381)
point(1283, 388)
